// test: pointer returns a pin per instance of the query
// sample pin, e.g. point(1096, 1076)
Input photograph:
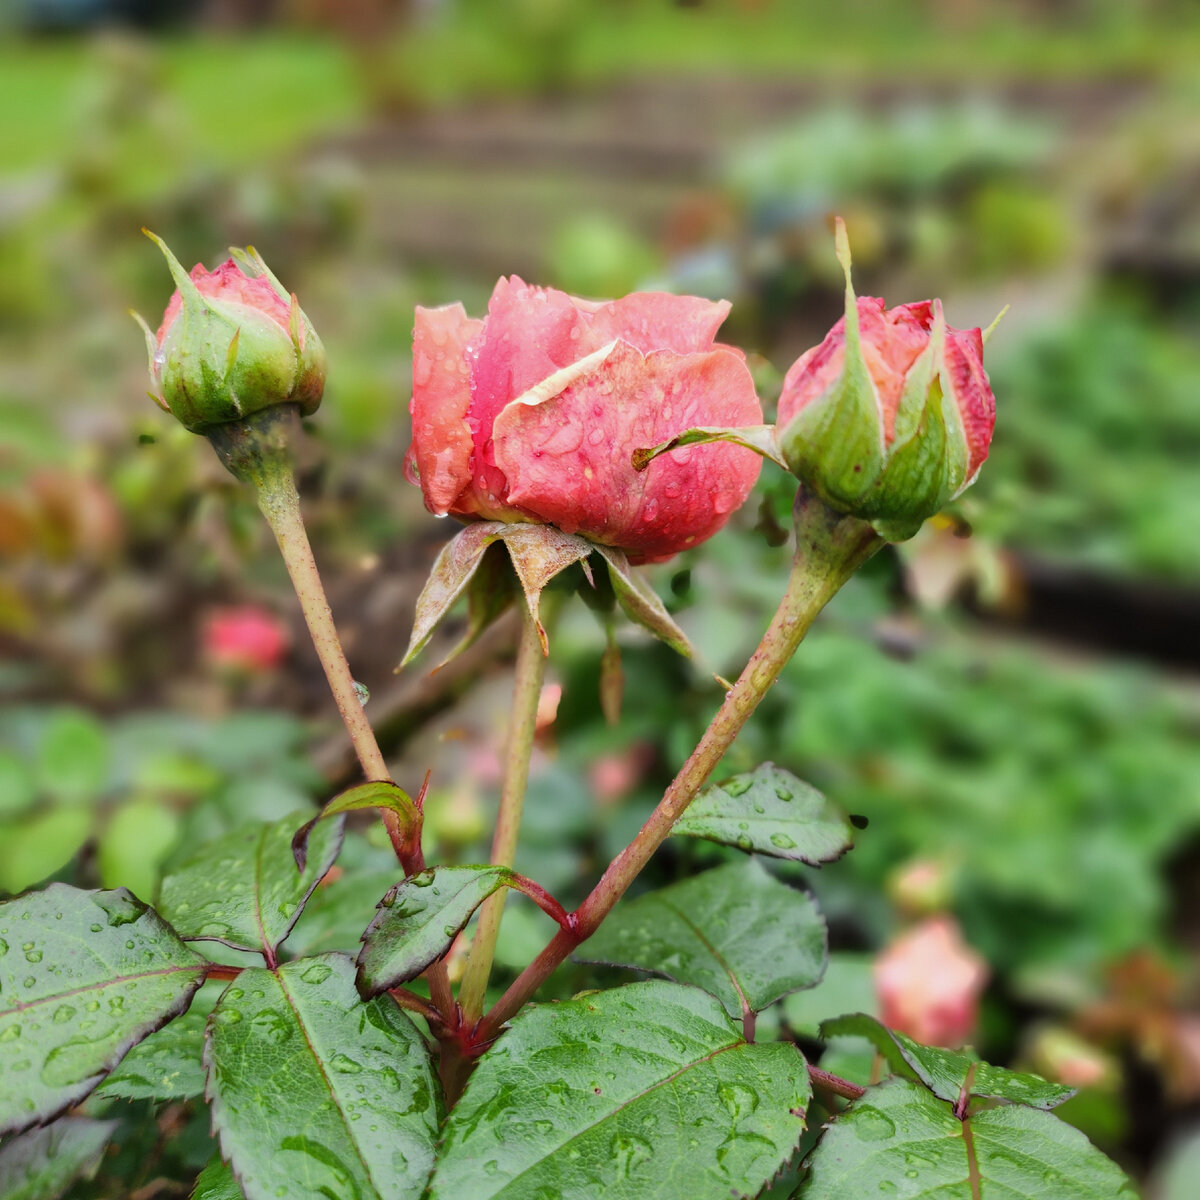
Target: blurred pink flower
point(929, 982)
point(244, 638)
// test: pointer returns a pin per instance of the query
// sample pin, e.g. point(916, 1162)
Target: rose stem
point(527, 690)
point(830, 548)
point(257, 453)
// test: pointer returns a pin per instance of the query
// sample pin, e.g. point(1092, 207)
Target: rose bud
point(890, 417)
point(232, 343)
point(929, 981)
point(533, 413)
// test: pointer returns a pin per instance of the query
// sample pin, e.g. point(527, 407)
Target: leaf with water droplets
point(376, 793)
point(644, 1092)
point(769, 811)
point(316, 1093)
point(734, 931)
point(216, 1182)
point(168, 1064)
point(243, 889)
point(640, 602)
point(946, 1072)
point(83, 977)
point(43, 1163)
point(900, 1141)
point(419, 918)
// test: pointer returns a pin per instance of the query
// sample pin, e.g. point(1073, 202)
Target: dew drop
point(596, 436)
point(873, 1126)
point(317, 973)
point(362, 692)
point(63, 1013)
point(782, 841)
point(738, 786)
point(10, 1033)
point(650, 511)
point(3, 947)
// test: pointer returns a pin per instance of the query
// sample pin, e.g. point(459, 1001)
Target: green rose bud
point(232, 343)
point(891, 416)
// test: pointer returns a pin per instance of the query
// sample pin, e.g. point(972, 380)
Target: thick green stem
point(830, 548)
point(257, 452)
point(527, 690)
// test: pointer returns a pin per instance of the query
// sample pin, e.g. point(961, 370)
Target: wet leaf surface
point(769, 811)
point(735, 931)
point(902, 1142)
point(243, 889)
point(42, 1163)
point(419, 918)
point(316, 1093)
point(945, 1072)
point(645, 1092)
point(168, 1065)
point(83, 977)
point(216, 1182)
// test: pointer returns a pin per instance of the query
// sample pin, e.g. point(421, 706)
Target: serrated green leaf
point(43, 1163)
point(243, 889)
point(901, 1141)
point(645, 1092)
point(40, 844)
point(168, 1065)
point(419, 918)
point(83, 977)
point(316, 1093)
point(769, 811)
point(216, 1182)
point(334, 915)
point(945, 1072)
point(376, 793)
point(73, 758)
point(735, 931)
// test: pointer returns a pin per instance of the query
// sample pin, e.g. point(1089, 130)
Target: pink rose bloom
point(246, 638)
point(533, 414)
point(929, 982)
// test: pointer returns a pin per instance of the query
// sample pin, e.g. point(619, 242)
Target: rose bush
point(532, 414)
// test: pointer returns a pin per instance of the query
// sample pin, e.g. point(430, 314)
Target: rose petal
point(441, 397)
point(231, 284)
point(976, 403)
point(660, 321)
point(570, 458)
point(892, 339)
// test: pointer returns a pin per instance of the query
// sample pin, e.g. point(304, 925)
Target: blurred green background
point(1018, 709)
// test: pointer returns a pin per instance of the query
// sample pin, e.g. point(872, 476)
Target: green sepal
point(759, 438)
point(836, 442)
